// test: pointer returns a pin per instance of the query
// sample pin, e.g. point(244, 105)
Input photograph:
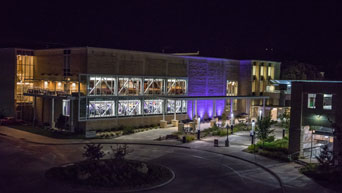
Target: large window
point(254, 70)
point(176, 87)
point(269, 71)
point(261, 70)
point(181, 106)
point(153, 107)
point(153, 86)
point(129, 86)
point(327, 101)
point(184, 106)
point(261, 86)
point(101, 108)
point(311, 101)
point(232, 88)
point(66, 107)
point(129, 107)
point(101, 86)
point(25, 67)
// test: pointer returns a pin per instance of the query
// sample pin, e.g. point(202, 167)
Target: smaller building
point(316, 118)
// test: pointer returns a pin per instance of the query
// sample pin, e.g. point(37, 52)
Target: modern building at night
point(97, 88)
point(316, 118)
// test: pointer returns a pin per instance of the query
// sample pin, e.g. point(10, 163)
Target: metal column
point(72, 116)
point(53, 113)
point(263, 107)
point(196, 108)
point(175, 110)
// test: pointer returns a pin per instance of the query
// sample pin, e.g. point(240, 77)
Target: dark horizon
point(304, 31)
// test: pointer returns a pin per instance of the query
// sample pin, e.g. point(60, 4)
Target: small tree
point(93, 152)
point(120, 151)
point(325, 158)
point(285, 120)
point(263, 129)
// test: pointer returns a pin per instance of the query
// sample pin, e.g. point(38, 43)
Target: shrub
point(93, 152)
point(128, 130)
point(270, 139)
point(120, 151)
point(189, 138)
point(242, 127)
point(220, 132)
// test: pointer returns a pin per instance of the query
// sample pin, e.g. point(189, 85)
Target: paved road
point(22, 165)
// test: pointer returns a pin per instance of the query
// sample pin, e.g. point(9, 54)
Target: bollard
point(184, 139)
point(283, 133)
point(198, 134)
point(215, 142)
point(226, 143)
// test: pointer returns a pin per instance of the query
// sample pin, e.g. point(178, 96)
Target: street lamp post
point(253, 132)
point(227, 140)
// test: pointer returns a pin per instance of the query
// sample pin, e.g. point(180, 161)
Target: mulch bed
point(110, 174)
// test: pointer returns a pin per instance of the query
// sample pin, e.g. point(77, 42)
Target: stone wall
point(123, 62)
point(50, 63)
point(129, 121)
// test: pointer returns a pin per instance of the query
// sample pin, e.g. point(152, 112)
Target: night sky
point(288, 30)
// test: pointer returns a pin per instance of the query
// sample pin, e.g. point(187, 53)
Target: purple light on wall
point(219, 107)
point(210, 108)
point(206, 77)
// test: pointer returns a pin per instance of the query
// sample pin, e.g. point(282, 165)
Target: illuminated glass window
point(176, 87)
point(253, 85)
point(327, 101)
point(101, 109)
point(261, 70)
point(129, 107)
point(184, 106)
point(153, 107)
point(171, 107)
point(66, 107)
point(270, 88)
point(311, 101)
point(261, 85)
point(99, 85)
point(153, 86)
point(129, 86)
point(25, 68)
point(254, 70)
point(232, 88)
point(269, 71)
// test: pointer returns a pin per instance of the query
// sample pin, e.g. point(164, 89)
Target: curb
point(176, 146)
